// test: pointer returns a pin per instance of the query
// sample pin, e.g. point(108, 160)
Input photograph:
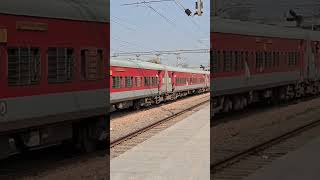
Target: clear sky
point(139, 28)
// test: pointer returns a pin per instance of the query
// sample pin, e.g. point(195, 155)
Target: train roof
point(222, 25)
point(177, 69)
point(83, 10)
point(152, 66)
point(136, 64)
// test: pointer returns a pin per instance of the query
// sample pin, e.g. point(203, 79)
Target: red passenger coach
point(253, 62)
point(137, 83)
point(53, 85)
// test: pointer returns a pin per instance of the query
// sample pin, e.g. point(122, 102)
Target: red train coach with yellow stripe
point(52, 59)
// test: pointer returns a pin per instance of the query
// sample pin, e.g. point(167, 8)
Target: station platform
point(181, 151)
point(302, 163)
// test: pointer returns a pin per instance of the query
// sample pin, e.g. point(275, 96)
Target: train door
point(159, 76)
point(173, 81)
point(206, 80)
point(164, 87)
point(3, 44)
point(169, 84)
point(310, 61)
point(317, 58)
point(166, 82)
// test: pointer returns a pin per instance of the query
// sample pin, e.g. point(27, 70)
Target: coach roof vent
point(83, 10)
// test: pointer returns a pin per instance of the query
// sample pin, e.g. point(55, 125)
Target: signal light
point(199, 7)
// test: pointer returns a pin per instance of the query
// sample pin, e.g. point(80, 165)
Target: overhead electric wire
point(144, 2)
point(168, 20)
point(126, 21)
point(197, 25)
point(164, 17)
point(168, 52)
point(130, 43)
point(126, 27)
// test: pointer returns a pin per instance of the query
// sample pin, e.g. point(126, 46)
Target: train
point(136, 84)
point(252, 62)
point(53, 58)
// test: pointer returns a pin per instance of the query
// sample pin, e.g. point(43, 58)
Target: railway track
point(54, 161)
point(127, 111)
point(244, 163)
point(124, 143)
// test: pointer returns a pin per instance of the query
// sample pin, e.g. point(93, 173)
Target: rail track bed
point(242, 146)
point(130, 140)
point(246, 162)
point(128, 111)
point(55, 163)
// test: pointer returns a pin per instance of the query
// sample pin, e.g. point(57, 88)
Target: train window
point(180, 81)
point(23, 66)
point(265, 56)
point(236, 61)
point(100, 64)
point(269, 60)
point(296, 58)
point(121, 82)
point(147, 81)
point(214, 60)
point(246, 60)
point(293, 58)
point(273, 59)
point(285, 57)
point(156, 81)
point(258, 60)
point(60, 65)
point(219, 61)
point(242, 59)
point(290, 59)
point(116, 82)
point(138, 81)
point(278, 59)
point(128, 82)
point(92, 64)
point(227, 61)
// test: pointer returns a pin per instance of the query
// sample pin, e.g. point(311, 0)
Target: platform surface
point(180, 152)
point(301, 164)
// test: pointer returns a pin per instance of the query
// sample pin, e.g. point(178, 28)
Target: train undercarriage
point(285, 93)
point(148, 101)
point(85, 135)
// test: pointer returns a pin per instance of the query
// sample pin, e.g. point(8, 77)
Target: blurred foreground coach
point(53, 58)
